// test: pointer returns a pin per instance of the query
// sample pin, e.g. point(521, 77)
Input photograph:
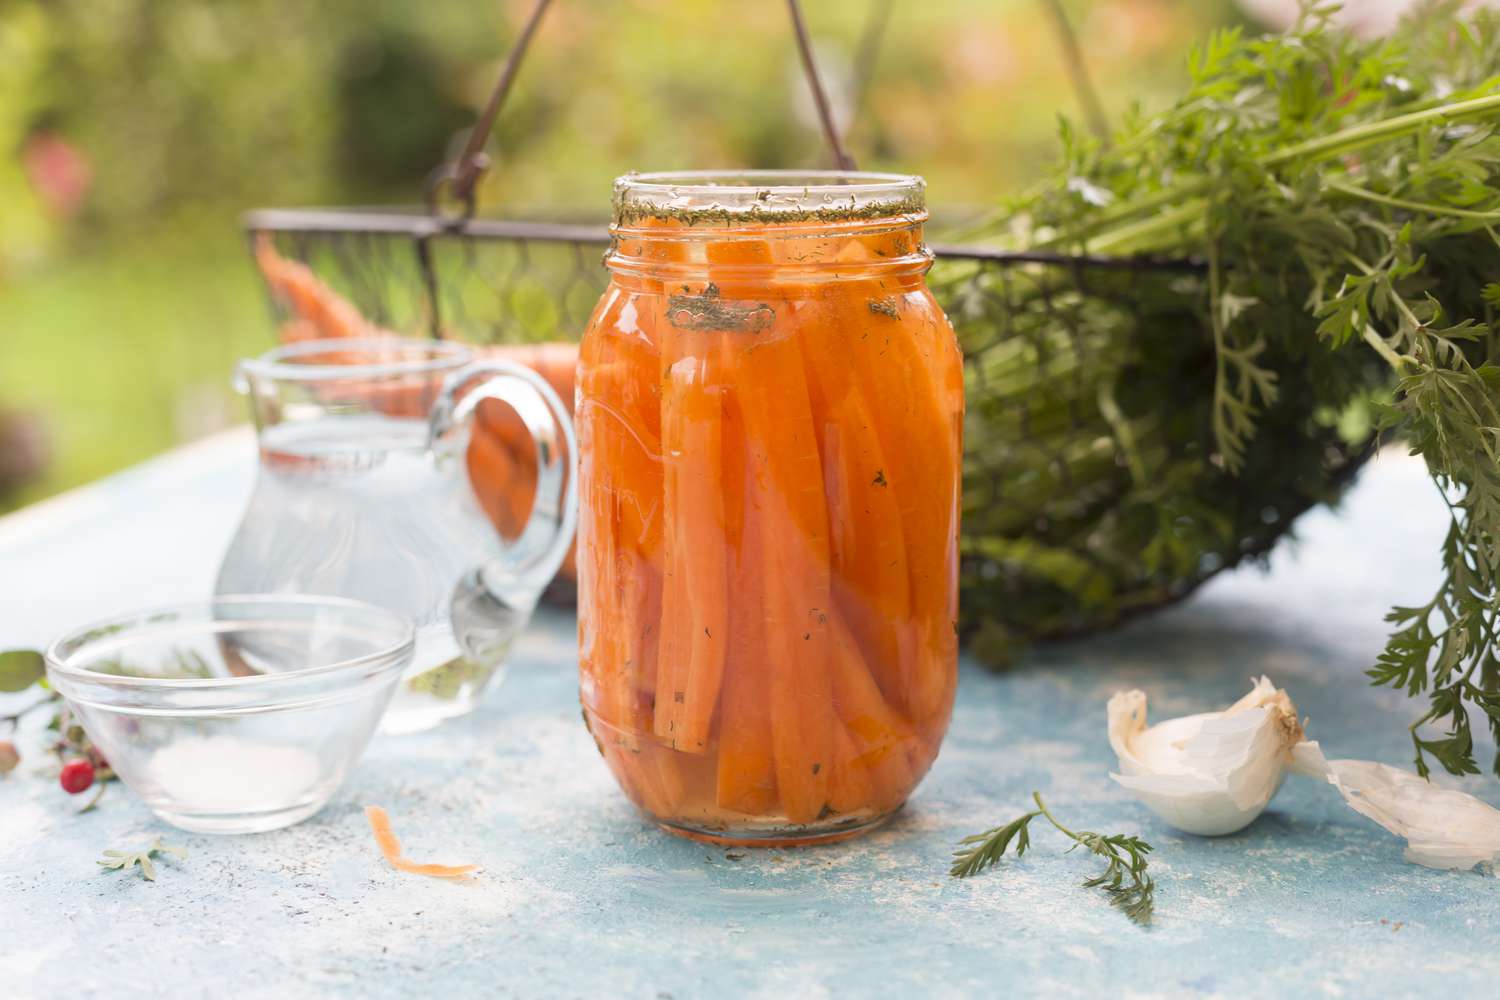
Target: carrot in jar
point(746, 762)
point(695, 610)
point(737, 267)
point(619, 500)
point(870, 574)
point(920, 449)
point(623, 393)
point(850, 788)
point(883, 738)
point(787, 489)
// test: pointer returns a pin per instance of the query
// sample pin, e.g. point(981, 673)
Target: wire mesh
point(1092, 489)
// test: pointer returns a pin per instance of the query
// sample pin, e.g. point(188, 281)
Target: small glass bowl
point(239, 714)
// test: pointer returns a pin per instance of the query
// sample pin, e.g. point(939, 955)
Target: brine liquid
point(357, 506)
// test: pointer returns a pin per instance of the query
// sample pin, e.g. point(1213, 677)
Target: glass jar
point(769, 418)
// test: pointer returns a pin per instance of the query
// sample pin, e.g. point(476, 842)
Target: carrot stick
point(787, 489)
point(703, 536)
point(620, 522)
point(695, 612)
point(738, 268)
point(917, 425)
point(747, 768)
point(746, 763)
point(870, 573)
point(850, 788)
point(882, 737)
point(674, 642)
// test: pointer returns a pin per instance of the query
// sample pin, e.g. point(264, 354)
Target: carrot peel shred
point(390, 849)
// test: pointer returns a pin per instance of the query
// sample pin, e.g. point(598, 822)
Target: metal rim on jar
point(729, 197)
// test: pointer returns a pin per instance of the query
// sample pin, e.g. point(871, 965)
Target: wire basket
point(1091, 492)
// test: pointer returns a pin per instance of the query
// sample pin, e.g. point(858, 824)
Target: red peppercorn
point(76, 776)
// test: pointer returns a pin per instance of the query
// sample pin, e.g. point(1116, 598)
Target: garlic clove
point(1209, 774)
point(1443, 828)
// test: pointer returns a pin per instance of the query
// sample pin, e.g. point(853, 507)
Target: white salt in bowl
point(239, 714)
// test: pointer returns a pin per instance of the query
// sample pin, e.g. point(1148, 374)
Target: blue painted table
point(580, 898)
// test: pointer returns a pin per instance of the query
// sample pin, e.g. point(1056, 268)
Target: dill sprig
point(1130, 888)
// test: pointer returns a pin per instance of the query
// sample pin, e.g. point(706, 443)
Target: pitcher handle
point(533, 559)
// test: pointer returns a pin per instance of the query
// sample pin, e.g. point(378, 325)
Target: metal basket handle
point(460, 177)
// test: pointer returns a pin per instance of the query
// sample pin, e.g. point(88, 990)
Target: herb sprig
point(126, 860)
point(1125, 879)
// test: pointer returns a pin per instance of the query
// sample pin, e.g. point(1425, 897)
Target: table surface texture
point(580, 897)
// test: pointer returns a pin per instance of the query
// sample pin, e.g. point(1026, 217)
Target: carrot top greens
point(1343, 196)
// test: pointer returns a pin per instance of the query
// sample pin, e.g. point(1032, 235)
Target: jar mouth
point(731, 198)
point(356, 358)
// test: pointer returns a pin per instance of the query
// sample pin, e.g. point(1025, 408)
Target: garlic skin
point(1209, 774)
point(1443, 828)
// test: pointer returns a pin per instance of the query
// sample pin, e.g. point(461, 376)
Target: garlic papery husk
point(1443, 828)
point(1208, 774)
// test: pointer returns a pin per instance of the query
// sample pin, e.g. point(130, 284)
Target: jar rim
point(390, 356)
point(737, 197)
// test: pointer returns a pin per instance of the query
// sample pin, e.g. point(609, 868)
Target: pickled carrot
point(850, 788)
point(882, 737)
point(619, 499)
point(736, 268)
point(695, 609)
point(747, 767)
point(598, 596)
point(920, 449)
point(746, 761)
point(674, 641)
point(787, 477)
point(870, 575)
point(619, 417)
point(771, 435)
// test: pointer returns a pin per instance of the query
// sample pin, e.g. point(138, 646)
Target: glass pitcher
point(364, 491)
point(769, 410)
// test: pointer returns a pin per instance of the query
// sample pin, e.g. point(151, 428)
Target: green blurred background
point(133, 133)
